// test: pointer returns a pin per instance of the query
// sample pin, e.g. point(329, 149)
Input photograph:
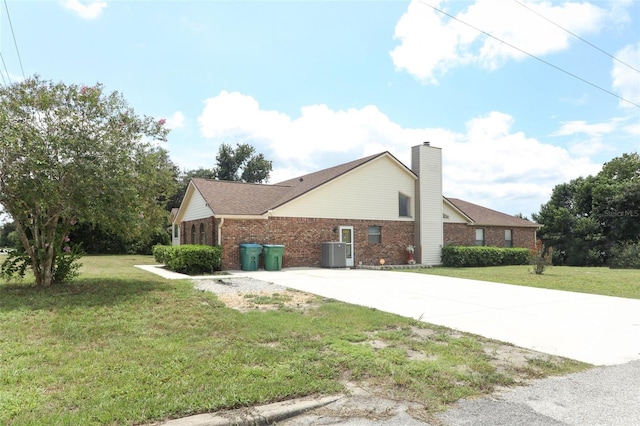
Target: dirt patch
point(268, 300)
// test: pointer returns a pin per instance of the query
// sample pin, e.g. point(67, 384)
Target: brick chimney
point(426, 162)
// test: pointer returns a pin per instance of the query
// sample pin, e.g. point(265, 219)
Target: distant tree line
point(595, 220)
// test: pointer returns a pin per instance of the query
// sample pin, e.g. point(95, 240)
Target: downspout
point(220, 231)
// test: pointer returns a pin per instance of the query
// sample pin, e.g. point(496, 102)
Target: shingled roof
point(484, 216)
point(239, 198)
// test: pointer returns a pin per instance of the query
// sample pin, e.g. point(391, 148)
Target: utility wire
point(573, 34)
point(14, 38)
point(5, 70)
point(531, 55)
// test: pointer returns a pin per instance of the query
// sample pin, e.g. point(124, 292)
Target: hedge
point(471, 256)
point(189, 258)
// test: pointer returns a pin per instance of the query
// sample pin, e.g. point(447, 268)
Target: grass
point(123, 346)
point(593, 280)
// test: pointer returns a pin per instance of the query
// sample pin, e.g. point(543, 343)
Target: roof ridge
point(479, 215)
point(239, 182)
point(356, 163)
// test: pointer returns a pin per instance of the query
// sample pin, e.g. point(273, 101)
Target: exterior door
point(346, 236)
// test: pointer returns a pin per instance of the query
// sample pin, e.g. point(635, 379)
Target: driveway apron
point(599, 330)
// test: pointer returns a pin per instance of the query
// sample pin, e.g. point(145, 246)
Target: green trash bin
point(250, 256)
point(273, 257)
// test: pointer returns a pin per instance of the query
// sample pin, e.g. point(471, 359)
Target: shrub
point(189, 259)
point(159, 252)
point(515, 256)
point(472, 256)
point(626, 256)
point(540, 257)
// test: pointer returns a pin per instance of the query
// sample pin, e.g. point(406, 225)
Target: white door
point(346, 236)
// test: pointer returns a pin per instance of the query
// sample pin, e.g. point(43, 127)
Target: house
point(468, 224)
point(376, 205)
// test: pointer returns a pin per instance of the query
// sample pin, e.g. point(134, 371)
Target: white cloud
point(488, 163)
point(581, 126)
point(432, 43)
point(176, 121)
point(86, 10)
point(591, 138)
point(626, 81)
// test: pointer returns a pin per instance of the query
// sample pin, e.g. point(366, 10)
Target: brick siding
point(462, 234)
point(210, 235)
point(303, 237)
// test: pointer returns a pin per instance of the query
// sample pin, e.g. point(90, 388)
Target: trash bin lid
point(250, 245)
point(272, 245)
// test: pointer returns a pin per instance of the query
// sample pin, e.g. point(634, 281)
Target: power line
point(5, 70)
point(531, 55)
point(4, 82)
point(575, 35)
point(14, 38)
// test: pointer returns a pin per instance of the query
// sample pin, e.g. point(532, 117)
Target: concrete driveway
point(600, 330)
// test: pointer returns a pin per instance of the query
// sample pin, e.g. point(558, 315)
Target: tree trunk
point(40, 253)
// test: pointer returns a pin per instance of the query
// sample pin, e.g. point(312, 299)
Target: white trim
point(350, 245)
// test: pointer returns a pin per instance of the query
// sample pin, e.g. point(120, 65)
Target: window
point(404, 205)
point(176, 230)
point(479, 237)
point(508, 238)
point(375, 234)
point(193, 235)
point(202, 239)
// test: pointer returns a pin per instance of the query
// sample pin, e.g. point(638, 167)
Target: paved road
point(601, 396)
point(600, 330)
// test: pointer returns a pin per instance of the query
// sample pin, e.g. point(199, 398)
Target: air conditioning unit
point(334, 255)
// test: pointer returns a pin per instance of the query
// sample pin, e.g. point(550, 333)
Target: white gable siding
point(368, 192)
point(196, 208)
point(453, 215)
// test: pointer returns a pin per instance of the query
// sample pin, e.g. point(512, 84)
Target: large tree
point(73, 153)
point(588, 217)
point(241, 164)
point(182, 182)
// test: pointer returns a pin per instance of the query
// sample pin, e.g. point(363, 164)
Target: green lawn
point(604, 281)
point(123, 346)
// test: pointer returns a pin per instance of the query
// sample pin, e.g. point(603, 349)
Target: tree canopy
point(73, 153)
point(241, 164)
point(589, 219)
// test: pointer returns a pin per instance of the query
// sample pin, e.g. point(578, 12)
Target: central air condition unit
point(334, 255)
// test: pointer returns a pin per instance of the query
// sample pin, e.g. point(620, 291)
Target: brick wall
point(458, 234)
point(464, 235)
point(210, 235)
point(302, 238)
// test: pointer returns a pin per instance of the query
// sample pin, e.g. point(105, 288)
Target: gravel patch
point(234, 285)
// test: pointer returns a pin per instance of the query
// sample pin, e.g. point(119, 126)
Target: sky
point(521, 95)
